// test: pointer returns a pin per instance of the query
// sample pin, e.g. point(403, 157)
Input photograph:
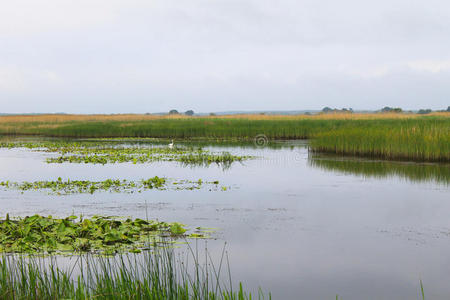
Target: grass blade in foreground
point(156, 275)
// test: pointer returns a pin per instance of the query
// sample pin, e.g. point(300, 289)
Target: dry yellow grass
point(50, 118)
point(332, 116)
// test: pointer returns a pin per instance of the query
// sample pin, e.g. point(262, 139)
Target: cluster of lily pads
point(103, 235)
point(105, 153)
point(112, 185)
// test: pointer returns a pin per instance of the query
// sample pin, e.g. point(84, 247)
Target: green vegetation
point(439, 173)
point(135, 156)
point(389, 136)
point(181, 128)
point(103, 235)
point(113, 152)
point(410, 139)
point(112, 185)
point(388, 109)
point(151, 275)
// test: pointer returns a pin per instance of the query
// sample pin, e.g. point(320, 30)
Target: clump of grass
point(156, 275)
point(224, 159)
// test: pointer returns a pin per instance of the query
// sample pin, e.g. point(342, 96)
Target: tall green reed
point(151, 275)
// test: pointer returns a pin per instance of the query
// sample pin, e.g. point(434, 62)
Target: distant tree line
point(336, 110)
point(187, 113)
point(424, 111)
point(385, 109)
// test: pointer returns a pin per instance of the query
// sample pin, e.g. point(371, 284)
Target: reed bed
point(179, 126)
point(420, 140)
point(388, 136)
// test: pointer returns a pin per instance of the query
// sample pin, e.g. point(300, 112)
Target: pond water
point(299, 225)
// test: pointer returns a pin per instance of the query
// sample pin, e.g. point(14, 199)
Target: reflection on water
point(414, 172)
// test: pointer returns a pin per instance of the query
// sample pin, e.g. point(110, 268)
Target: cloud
point(223, 54)
point(11, 79)
point(433, 66)
point(25, 17)
point(19, 80)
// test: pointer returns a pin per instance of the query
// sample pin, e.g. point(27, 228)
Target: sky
point(132, 56)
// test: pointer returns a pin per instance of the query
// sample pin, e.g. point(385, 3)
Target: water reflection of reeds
point(414, 172)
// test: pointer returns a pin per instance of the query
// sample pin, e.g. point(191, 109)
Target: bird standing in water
point(171, 145)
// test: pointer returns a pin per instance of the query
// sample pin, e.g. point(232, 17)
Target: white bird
point(171, 145)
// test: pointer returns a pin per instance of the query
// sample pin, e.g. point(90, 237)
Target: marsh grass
point(388, 136)
point(150, 275)
point(233, 126)
point(410, 139)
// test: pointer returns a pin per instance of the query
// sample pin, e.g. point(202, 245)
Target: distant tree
point(424, 111)
point(336, 110)
point(189, 113)
point(448, 108)
point(391, 109)
point(173, 112)
point(212, 114)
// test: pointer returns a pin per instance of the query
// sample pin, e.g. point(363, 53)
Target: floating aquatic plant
point(103, 235)
point(107, 152)
point(111, 185)
point(199, 157)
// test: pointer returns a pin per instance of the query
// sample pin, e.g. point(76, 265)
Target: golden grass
point(50, 118)
point(62, 118)
point(331, 116)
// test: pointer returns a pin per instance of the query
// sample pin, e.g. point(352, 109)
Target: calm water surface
point(298, 225)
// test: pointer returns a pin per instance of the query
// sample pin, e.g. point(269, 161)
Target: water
point(297, 225)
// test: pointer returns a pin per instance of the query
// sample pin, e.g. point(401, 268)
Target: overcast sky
point(107, 56)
